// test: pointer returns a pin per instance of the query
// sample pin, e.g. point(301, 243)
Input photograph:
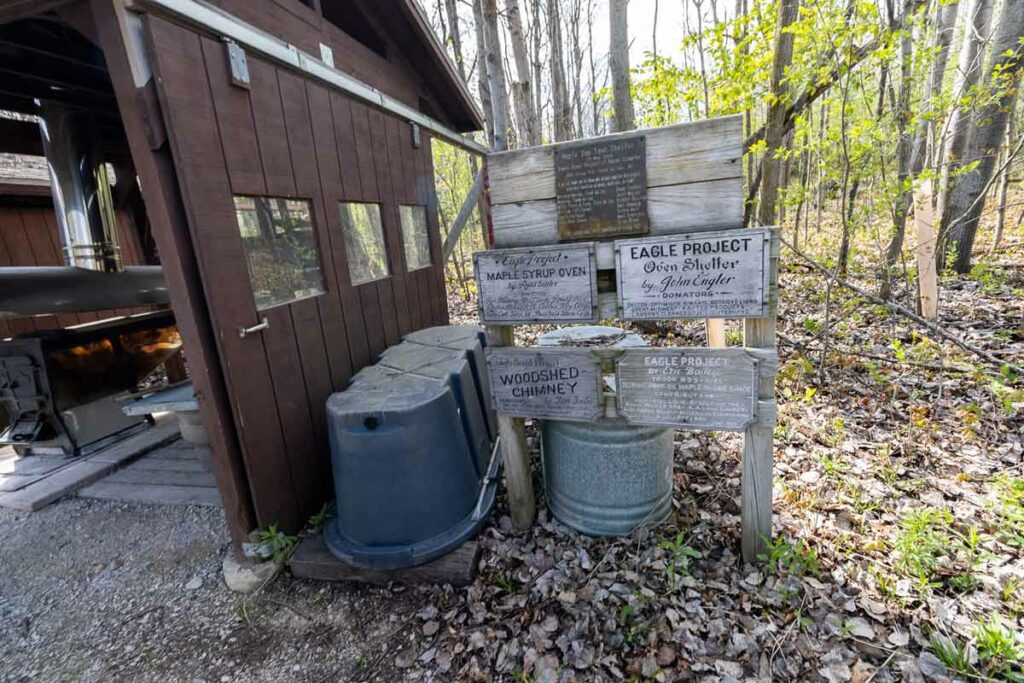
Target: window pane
point(414, 236)
point(364, 242)
point(280, 248)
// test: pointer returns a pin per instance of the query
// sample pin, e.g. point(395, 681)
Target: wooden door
point(272, 165)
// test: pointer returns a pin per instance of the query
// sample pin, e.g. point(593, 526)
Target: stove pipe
point(81, 190)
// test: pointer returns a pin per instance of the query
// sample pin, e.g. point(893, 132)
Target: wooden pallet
point(312, 560)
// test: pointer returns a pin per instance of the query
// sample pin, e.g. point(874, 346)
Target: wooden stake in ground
point(758, 448)
point(715, 328)
point(759, 437)
point(511, 430)
point(924, 228)
point(518, 480)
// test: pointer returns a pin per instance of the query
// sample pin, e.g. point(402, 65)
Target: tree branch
point(907, 313)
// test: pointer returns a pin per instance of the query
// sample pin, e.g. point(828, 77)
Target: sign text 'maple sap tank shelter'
point(285, 187)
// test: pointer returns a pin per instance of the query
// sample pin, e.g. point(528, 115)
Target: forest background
point(898, 452)
point(848, 106)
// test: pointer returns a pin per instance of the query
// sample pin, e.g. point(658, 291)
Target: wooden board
point(700, 152)
point(563, 384)
point(694, 182)
point(701, 275)
point(687, 388)
point(601, 188)
point(312, 560)
point(152, 494)
point(131, 475)
point(672, 209)
point(555, 284)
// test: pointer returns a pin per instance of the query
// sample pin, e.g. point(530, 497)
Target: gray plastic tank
point(605, 478)
point(451, 366)
point(470, 340)
point(406, 484)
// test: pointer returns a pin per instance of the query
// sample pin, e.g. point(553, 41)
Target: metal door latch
point(243, 331)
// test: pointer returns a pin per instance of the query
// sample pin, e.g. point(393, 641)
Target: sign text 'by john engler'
point(721, 274)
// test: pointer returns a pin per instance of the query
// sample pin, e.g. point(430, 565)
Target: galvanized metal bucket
point(605, 478)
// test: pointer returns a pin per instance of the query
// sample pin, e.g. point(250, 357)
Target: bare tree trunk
point(562, 112)
point(969, 70)
point(522, 96)
point(482, 84)
point(535, 59)
point(618, 64)
point(654, 32)
point(775, 132)
point(967, 196)
point(1004, 179)
point(576, 52)
point(698, 4)
point(451, 11)
point(495, 74)
point(819, 203)
point(594, 102)
point(923, 149)
point(843, 259)
point(903, 152)
point(804, 171)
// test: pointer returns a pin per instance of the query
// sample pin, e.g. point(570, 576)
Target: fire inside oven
point(63, 390)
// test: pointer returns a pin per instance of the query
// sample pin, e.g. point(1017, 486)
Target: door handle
point(243, 331)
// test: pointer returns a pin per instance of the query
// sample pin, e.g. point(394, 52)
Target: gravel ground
point(99, 591)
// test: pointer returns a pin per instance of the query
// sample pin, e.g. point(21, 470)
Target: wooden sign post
point(663, 208)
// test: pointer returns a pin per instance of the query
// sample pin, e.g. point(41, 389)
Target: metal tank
point(605, 478)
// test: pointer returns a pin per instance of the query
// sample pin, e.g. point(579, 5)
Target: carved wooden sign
point(556, 284)
point(563, 384)
point(722, 274)
point(687, 388)
point(601, 188)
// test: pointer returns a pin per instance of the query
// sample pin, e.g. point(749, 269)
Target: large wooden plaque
point(687, 388)
point(556, 284)
point(721, 274)
point(601, 188)
point(563, 384)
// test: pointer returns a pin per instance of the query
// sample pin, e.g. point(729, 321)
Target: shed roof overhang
point(218, 22)
point(442, 76)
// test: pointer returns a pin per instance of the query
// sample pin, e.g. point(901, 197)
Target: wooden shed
point(283, 150)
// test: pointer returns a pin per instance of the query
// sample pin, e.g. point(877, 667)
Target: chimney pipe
point(81, 191)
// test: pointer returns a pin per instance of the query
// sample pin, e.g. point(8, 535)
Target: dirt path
point(97, 591)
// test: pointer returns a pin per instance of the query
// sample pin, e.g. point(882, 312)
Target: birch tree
point(986, 132)
point(923, 149)
point(968, 73)
point(522, 95)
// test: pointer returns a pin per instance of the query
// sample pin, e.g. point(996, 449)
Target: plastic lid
point(591, 335)
point(392, 392)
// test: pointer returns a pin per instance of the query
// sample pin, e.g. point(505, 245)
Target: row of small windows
point(281, 249)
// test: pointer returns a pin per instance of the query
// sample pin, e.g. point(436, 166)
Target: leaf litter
point(889, 529)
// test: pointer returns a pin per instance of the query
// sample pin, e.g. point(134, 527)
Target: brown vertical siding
point(286, 136)
point(29, 237)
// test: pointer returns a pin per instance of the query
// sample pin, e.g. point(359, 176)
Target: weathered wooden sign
point(538, 284)
point(562, 384)
point(687, 388)
point(699, 275)
point(601, 188)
